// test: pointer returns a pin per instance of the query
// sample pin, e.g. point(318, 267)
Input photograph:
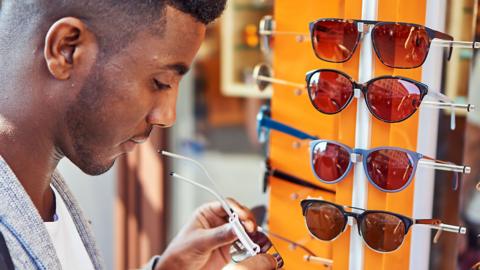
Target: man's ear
point(68, 41)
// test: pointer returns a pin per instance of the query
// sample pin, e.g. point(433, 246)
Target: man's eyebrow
point(180, 68)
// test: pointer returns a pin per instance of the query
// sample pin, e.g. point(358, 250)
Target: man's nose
point(164, 114)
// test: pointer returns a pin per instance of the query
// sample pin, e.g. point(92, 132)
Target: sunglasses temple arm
point(326, 262)
point(297, 181)
point(445, 102)
point(225, 205)
point(301, 37)
point(267, 122)
point(456, 44)
point(279, 81)
point(304, 248)
point(429, 162)
point(440, 227)
point(177, 156)
point(448, 228)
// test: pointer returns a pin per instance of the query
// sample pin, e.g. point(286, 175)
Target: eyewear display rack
point(354, 127)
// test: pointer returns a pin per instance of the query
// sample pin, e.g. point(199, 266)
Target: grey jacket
point(27, 239)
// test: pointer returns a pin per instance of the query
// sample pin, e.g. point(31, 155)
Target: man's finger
point(258, 262)
point(211, 239)
point(244, 214)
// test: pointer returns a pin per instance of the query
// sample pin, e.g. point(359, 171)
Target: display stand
point(354, 127)
point(291, 60)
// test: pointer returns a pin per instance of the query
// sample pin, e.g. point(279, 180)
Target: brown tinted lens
point(389, 169)
point(401, 45)
point(330, 161)
point(382, 232)
point(329, 91)
point(334, 41)
point(324, 220)
point(393, 100)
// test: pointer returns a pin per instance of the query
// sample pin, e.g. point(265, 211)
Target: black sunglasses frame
point(432, 34)
point(364, 88)
point(407, 222)
point(269, 172)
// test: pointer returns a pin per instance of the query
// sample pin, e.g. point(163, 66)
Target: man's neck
point(33, 160)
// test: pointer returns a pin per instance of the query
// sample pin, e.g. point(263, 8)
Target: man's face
point(124, 97)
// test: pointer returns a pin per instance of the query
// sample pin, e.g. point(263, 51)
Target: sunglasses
point(389, 169)
point(391, 99)
point(397, 45)
point(381, 231)
point(247, 245)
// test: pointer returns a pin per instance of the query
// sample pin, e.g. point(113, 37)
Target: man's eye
point(160, 85)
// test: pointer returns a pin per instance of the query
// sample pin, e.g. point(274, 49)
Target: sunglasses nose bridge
point(363, 28)
point(358, 89)
point(352, 220)
point(356, 156)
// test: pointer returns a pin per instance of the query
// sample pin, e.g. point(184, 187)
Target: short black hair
point(204, 11)
point(114, 22)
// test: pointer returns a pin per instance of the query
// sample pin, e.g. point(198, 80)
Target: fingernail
point(279, 260)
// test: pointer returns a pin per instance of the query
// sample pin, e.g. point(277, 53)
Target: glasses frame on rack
point(360, 214)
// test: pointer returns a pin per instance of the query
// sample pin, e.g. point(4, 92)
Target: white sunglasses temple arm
point(455, 44)
point(215, 186)
point(278, 81)
point(447, 228)
point(441, 227)
point(445, 102)
point(225, 205)
point(444, 166)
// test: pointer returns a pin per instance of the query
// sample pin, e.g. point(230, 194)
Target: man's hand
point(204, 243)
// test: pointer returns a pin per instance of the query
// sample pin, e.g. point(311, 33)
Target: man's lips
point(139, 140)
point(129, 145)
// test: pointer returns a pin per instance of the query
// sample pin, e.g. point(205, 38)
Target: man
point(88, 80)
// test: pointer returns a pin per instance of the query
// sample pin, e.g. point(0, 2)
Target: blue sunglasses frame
point(413, 157)
point(265, 124)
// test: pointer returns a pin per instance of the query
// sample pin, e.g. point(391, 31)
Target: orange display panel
point(291, 60)
point(287, 196)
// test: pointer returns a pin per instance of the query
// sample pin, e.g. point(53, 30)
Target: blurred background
point(136, 208)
